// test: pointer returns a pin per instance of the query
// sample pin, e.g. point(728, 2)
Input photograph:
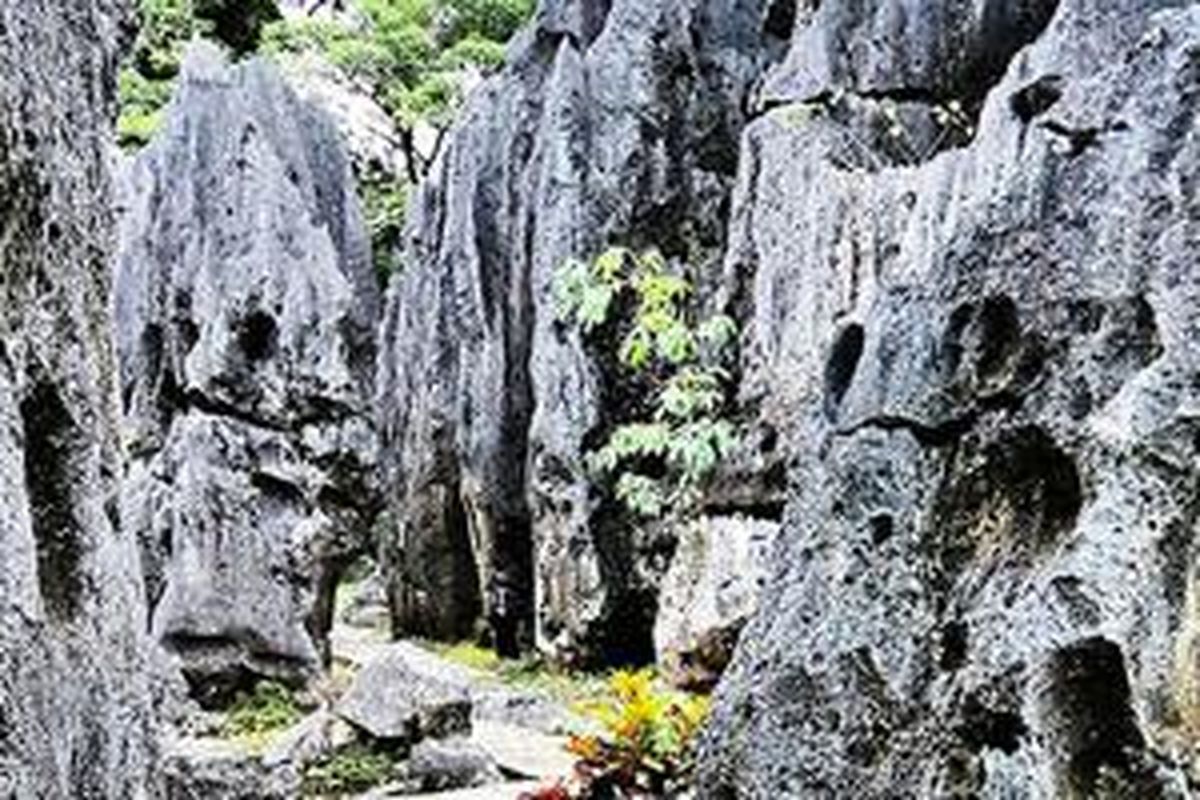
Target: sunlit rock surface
point(983, 354)
point(246, 311)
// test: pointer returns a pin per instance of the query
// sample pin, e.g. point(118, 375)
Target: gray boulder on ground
point(246, 306)
point(983, 365)
point(407, 694)
point(75, 708)
point(216, 769)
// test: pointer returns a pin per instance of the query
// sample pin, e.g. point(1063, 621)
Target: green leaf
point(677, 344)
point(593, 305)
point(610, 264)
point(717, 331)
point(642, 495)
point(637, 349)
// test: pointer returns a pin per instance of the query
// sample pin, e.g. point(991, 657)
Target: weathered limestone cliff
point(982, 347)
point(74, 697)
point(246, 306)
point(611, 123)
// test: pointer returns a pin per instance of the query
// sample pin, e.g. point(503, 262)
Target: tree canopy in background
point(415, 58)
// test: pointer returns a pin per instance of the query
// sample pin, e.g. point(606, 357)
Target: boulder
point(611, 122)
point(437, 765)
point(405, 694)
point(75, 695)
point(981, 361)
point(709, 593)
point(217, 769)
point(246, 305)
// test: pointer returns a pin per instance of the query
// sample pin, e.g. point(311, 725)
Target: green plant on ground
point(355, 768)
point(647, 747)
point(661, 455)
point(256, 717)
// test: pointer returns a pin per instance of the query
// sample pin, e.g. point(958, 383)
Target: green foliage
point(411, 53)
point(658, 462)
point(164, 29)
point(385, 201)
point(257, 716)
point(355, 768)
point(648, 744)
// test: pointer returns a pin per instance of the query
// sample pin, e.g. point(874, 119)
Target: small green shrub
point(257, 716)
point(660, 459)
point(355, 768)
point(647, 747)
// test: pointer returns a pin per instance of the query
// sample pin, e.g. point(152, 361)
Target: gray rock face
point(709, 593)
point(75, 718)
point(407, 695)
point(246, 307)
point(611, 123)
point(985, 368)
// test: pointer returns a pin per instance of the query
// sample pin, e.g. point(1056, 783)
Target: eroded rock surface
point(611, 123)
point(246, 311)
point(709, 593)
point(984, 368)
point(75, 719)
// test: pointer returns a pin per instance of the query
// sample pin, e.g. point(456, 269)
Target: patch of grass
point(530, 673)
point(255, 718)
point(356, 768)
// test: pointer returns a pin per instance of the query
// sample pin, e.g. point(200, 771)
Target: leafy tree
point(412, 55)
point(660, 459)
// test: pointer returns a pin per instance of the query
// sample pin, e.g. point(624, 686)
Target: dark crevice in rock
point(780, 19)
point(985, 728)
point(276, 488)
point(257, 336)
point(842, 364)
point(955, 640)
point(1036, 98)
point(941, 434)
point(51, 441)
point(1093, 724)
point(1079, 140)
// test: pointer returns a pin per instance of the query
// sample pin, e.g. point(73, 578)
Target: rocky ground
point(451, 731)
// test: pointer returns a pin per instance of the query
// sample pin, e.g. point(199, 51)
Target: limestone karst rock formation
point(246, 306)
point(610, 123)
point(983, 352)
point(75, 716)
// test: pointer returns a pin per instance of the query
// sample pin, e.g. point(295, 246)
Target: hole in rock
point(843, 362)
point(257, 336)
point(1036, 98)
point(780, 19)
point(1018, 494)
point(1093, 721)
point(955, 637)
point(51, 446)
point(986, 728)
point(999, 335)
point(882, 528)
